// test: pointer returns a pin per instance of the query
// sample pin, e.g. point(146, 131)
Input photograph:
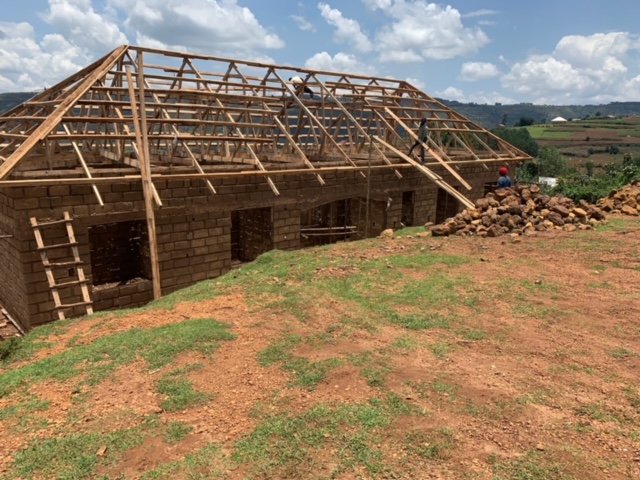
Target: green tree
point(524, 122)
point(550, 162)
point(519, 138)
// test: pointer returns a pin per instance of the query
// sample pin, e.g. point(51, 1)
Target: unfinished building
point(151, 170)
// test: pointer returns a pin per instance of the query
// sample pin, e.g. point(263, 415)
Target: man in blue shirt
point(504, 181)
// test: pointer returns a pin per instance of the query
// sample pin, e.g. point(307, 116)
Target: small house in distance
point(151, 170)
point(558, 120)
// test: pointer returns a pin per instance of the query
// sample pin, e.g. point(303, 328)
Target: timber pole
point(140, 122)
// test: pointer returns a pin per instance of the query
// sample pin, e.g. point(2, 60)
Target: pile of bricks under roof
point(521, 210)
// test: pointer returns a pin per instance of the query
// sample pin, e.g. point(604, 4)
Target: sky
point(559, 52)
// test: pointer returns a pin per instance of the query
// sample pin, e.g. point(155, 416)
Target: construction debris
point(625, 200)
point(521, 210)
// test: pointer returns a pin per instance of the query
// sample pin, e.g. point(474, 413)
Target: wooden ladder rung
point(71, 305)
point(53, 222)
point(59, 245)
point(63, 264)
point(69, 284)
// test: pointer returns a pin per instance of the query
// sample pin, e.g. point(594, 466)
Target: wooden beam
point(274, 189)
point(85, 168)
point(437, 179)
point(53, 120)
point(145, 173)
point(355, 122)
point(425, 146)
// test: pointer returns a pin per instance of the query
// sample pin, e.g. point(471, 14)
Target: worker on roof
point(423, 137)
point(504, 181)
point(300, 86)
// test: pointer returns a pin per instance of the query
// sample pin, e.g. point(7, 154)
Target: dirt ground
point(533, 383)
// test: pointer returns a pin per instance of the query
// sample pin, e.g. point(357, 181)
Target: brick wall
point(193, 226)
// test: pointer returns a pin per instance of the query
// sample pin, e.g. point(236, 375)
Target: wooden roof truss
point(209, 117)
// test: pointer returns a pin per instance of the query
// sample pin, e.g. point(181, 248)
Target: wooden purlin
point(433, 176)
point(54, 119)
point(424, 145)
point(274, 189)
point(355, 122)
point(277, 121)
point(318, 123)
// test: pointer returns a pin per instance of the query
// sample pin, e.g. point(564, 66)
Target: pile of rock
point(521, 210)
point(626, 200)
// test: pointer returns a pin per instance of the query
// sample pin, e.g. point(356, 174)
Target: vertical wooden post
point(140, 122)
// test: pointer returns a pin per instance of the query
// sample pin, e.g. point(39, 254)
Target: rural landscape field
point(405, 358)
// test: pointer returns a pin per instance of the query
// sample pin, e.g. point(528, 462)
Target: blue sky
point(483, 51)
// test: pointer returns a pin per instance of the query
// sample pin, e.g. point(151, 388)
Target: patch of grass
point(473, 334)
point(18, 349)
point(537, 397)
point(73, 456)
point(180, 393)
point(527, 309)
point(307, 374)
point(421, 322)
point(529, 467)
point(176, 432)
point(405, 342)
point(620, 353)
point(25, 408)
point(430, 446)
point(208, 463)
point(287, 446)
point(280, 351)
point(598, 412)
point(441, 350)
point(158, 346)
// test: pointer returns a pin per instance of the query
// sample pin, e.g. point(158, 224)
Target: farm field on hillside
point(591, 140)
point(405, 358)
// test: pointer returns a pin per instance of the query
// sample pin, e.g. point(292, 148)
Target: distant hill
point(10, 100)
point(490, 116)
point(487, 116)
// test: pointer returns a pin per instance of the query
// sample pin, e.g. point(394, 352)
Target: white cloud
point(416, 82)
point(580, 69)
point(347, 30)
point(340, 62)
point(420, 30)
point(215, 27)
point(83, 26)
point(488, 98)
point(303, 24)
point(475, 71)
point(483, 12)
point(28, 65)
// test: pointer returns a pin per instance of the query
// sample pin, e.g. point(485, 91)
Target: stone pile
point(521, 210)
point(626, 200)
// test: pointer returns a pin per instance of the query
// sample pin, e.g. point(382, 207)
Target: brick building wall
point(194, 228)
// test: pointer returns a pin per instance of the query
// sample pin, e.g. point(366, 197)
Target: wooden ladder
point(49, 267)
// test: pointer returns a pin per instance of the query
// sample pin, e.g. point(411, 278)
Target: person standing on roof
point(299, 86)
point(504, 181)
point(423, 137)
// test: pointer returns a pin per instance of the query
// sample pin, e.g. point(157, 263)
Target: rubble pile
point(626, 200)
point(521, 210)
